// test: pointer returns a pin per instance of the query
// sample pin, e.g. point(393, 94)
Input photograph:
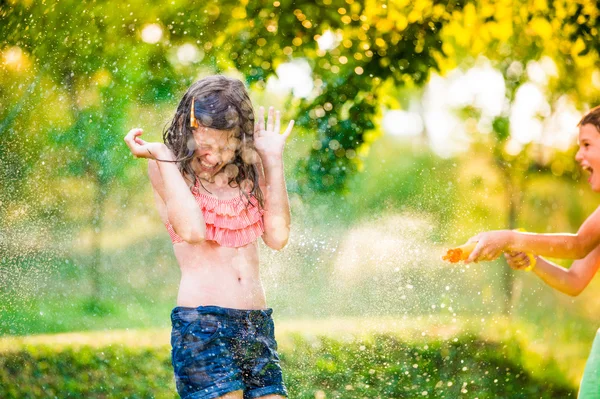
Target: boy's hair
point(591, 118)
point(220, 103)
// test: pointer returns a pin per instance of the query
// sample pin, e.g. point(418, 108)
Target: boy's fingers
point(493, 255)
point(517, 260)
point(474, 238)
point(473, 257)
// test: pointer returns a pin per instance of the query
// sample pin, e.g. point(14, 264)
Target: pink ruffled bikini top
point(231, 223)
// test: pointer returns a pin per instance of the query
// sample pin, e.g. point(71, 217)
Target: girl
point(218, 185)
point(583, 246)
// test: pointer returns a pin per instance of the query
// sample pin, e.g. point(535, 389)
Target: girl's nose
point(213, 157)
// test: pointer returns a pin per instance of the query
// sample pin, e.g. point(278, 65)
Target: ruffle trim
point(235, 238)
point(230, 207)
point(231, 223)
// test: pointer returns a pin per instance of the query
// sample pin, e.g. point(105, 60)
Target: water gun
point(461, 253)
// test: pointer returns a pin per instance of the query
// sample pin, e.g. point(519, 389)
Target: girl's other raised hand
point(140, 148)
point(268, 140)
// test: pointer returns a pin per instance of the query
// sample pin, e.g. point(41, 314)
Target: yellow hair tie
point(193, 120)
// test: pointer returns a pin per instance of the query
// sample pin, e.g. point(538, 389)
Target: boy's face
point(588, 155)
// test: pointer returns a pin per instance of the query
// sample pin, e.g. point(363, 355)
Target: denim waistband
point(185, 313)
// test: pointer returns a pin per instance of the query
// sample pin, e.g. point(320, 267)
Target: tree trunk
point(511, 290)
point(97, 218)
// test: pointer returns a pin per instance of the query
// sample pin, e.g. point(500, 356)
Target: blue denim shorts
point(218, 350)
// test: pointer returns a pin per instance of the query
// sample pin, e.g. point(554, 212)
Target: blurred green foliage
point(76, 215)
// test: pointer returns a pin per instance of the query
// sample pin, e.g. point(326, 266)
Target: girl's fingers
point(277, 127)
point(256, 128)
point(136, 132)
point(270, 120)
point(289, 128)
point(134, 142)
point(133, 134)
point(261, 118)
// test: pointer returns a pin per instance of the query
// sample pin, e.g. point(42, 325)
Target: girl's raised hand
point(140, 148)
point(268, 140)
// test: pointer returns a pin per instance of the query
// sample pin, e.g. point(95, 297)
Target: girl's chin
point(208, 171)
point(206, 175)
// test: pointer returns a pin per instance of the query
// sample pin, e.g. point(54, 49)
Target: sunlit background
point(419, 124)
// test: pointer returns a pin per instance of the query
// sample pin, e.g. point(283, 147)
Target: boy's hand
point(490, 245)
point(517, 260)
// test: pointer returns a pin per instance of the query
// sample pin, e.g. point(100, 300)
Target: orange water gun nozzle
point(455, 255)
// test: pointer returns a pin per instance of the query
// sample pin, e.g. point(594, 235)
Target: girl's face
point(214, 150)
point(588, 155)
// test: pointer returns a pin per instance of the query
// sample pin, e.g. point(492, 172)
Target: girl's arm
point(569, 281)
point(269, 144)
point(182, 210)
point(277, 216)
point(566, 246)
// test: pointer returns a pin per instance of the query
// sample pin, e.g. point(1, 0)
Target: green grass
point(347, 359)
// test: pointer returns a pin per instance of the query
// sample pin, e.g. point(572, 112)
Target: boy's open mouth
point(589, 170)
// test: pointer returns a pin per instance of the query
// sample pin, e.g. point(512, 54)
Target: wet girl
point(583, 246)
point(218, 185)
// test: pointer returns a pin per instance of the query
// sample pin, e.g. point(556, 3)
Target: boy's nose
point(579, 156)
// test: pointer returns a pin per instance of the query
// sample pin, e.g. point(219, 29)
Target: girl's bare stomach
point(220, 276)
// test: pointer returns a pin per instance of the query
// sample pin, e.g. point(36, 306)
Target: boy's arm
point(573, 280)
point(566, 246)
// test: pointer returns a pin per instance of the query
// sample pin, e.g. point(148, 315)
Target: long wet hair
point(220, 103)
